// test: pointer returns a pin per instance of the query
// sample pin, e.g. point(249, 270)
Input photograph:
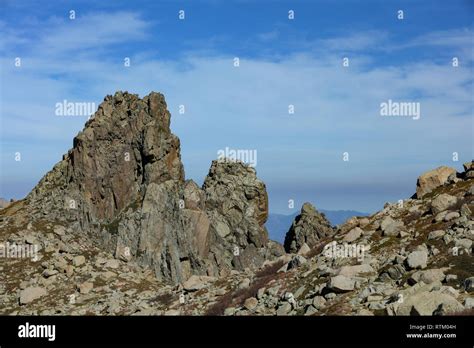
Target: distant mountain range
point(278, 224)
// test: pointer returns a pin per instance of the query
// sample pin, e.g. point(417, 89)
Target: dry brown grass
point(411, 217)
point(236, 298)
point(165, 299)
point(269, 270)
point(317, 249)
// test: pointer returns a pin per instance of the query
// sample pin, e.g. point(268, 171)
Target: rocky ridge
point(123, 184)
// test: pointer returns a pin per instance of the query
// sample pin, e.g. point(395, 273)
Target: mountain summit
point(123, 184)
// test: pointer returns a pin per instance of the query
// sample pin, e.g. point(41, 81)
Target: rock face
point(308, 227)
point(237, 205)
point(433, 179)
point(123, 182)
point(123, 148)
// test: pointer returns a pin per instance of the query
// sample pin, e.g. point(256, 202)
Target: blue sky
point(282, 62)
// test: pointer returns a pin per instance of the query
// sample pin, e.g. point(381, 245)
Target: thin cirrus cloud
point(101, 30)
point(456, 37)
point(336, 108)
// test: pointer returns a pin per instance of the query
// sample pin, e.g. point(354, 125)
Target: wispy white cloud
point(269, 35)
point(455, 37)
point(453, 42)
point(354, 41)
point(95, 31)
point(85, 33)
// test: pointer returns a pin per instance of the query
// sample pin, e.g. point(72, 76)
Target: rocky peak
point(237, 205)
point(235, 193)
point(123, 184)
point(125, 146)
point(308, 227)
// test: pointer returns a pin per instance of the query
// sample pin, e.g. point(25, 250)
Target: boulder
point(436, 234)
point(194, 197)
point(30, 294)
point(469, 303)
point(428, 276)
point(123, 253)
point(363, 222)
point(417, 259)
point(341, 283)
point(112, 263)
point(451, 216)
point(465, 243)
point(85, 287)
point(59, 230)
point(318, 302)
point(432, 179)
point(296, 262)
point(284, 309)
point(196, 282)
point(305, 249)
point(391, 227)
point(442, 202)
point(353, 235)
point(356, 270)
point(78, 260)
point(428, 303)
point(250, 303)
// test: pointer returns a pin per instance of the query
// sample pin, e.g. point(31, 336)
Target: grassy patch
point(411, 217)
point(166, 299)
point(460, 265)
point(237, 298)
point(12, 208)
